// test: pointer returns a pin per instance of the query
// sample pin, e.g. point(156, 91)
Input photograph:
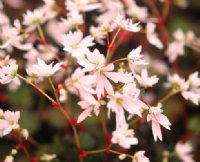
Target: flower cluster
point(8, 122)
point(77, 59)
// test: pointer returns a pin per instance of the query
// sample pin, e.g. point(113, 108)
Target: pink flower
point(75, 44)
point(157, 118)
point(145, 81)
point(8, 70)
point(183, 151)
point(139, 157)
point(136, 59)
point(118, 102)
point(80, 83)
point(122, 135)
point(89, 105)
point(152, 36)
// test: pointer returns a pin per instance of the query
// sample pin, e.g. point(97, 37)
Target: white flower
point(183, 151)
point(81, 5)
point(74, 19)
point(140, 157)
point(157, 118)
point(177, 82)
point(8, 70)
point(136, 12)
point(75, 44)
point(193, 91)
point(145, 81)
point(152, 36)
point(9, 158)
point(33, 18)
point(118, 102)
point(49, 9)
point(48, 157)
point(12, 118)
point(89, 105)
point(25, 133)
point(122, 135)
point(136, 59)
point(4, 125)
point(126, 24)
point(41, 69)
point(93, 61)
point(80, 83)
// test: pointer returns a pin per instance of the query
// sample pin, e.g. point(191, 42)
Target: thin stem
point(103, 123)
point(95, 151)
point(68, 118)
point(108, 55)
point(41, 33)
point(37, 87)
point(170, 93)
point(120, 153)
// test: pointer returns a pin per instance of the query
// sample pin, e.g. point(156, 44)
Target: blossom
point(75, 44)
point(135, 11)
point(103, 83)
point(93, 61)
point(89, 105)
point(176, 48)
point(33, 18)
point(49, 9)
point(122, 135)
point(80, 83)
point(126, 24)
point(139, 157)
point(74, 19)
point(118, 102)
point(135, 59)
point(8, 121)
point(11, 38)
point(193, 91)
point(48, 157)
point(152, 36)
point(9, 158)
point(8, 70)
point(157, 118)
point(183, 150)
point(81, 5)
point(25, 133)
point(145, 81)
point(41, 69)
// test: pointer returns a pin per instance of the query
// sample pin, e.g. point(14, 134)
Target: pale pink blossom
point(105, 73)
point(135, 11)
point(81, 5)
point(73, 20)
point(12, 118)
point(9, 158)
point(48, 157)
point(120, 102)
point(8, 70)
point(193, 91)
point(41, 69)
point(75, 44)
point(183, 150)
point(80, 83)
point(89, 105)
point(126, 24)
point(32, 19)
point(157, 118)
point(136, 59)
point(146, 81)
point(122, 135)
point(152, 36)
point(140, 157)
point(109, 11)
